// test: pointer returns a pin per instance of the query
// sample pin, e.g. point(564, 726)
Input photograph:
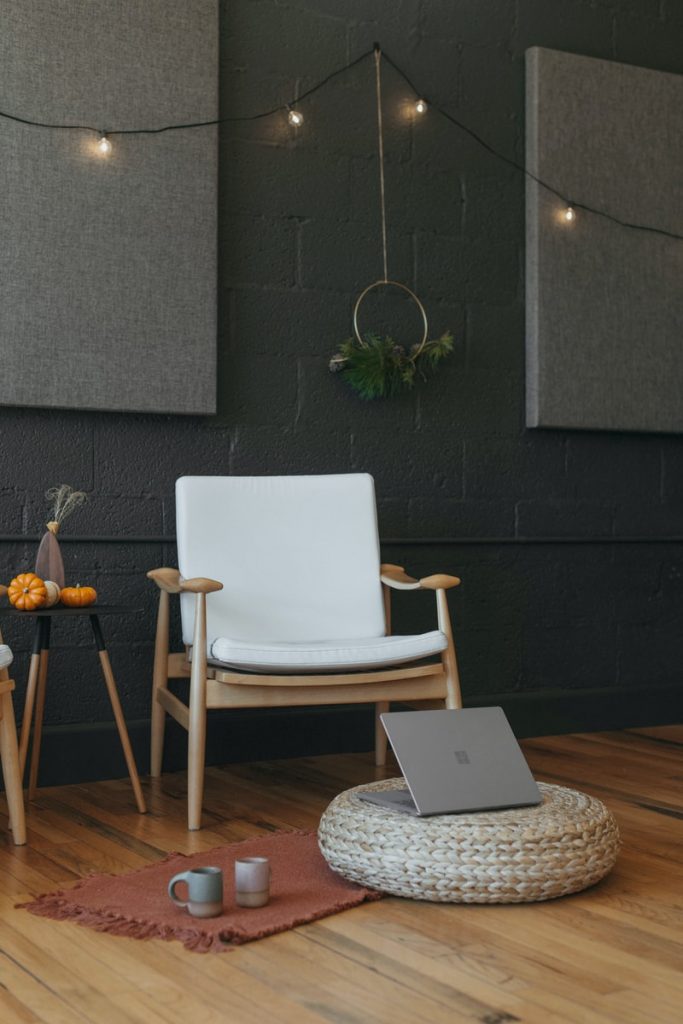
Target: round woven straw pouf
point(563, 845)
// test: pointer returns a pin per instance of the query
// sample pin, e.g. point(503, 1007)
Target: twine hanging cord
point(380, 149)
point(385, 282)
point(284, 107)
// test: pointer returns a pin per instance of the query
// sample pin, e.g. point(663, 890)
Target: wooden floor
point(614, 953)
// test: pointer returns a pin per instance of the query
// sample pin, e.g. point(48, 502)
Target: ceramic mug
point(204, 891)
point(252, 881)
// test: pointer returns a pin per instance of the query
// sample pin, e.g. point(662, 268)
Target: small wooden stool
point(9, 752)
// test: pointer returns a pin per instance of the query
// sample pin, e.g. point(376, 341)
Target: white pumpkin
point(52, 594)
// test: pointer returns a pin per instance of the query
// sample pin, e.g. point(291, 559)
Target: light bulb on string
point(569, 215)
point(104, 145)
point(295, 118)
point(421, 107)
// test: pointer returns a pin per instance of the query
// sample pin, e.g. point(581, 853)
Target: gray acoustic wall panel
point(604, 303)
point(108, 265)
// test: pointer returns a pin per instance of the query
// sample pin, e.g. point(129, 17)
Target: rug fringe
point(56, 907)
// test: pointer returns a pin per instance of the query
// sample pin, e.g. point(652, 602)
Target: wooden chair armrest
point(439, 582)
point(166, 579)
point(395, 576)
point(172, 582)
point(200, 585)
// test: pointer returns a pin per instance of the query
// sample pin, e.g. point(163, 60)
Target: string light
point(461, 126)
point(296, 119)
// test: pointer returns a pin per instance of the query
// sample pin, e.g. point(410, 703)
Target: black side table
point(37, 684)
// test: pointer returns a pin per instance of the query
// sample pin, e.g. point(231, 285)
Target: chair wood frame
point(214, 687)
point(9, 755)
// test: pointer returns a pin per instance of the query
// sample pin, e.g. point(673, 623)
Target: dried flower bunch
point(64, 500)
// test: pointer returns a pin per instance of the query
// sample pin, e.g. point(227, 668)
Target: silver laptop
point(455, 761)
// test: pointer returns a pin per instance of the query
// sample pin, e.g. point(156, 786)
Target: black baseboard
point(87, 752)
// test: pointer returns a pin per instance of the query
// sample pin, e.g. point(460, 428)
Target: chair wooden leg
point(159, 682)
point(9, 751)
point(196, 753)
point(449, 661)
point(196, 746)
point(381, 707)
point(156, 755)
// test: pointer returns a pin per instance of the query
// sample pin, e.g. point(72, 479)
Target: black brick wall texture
point(298, 240)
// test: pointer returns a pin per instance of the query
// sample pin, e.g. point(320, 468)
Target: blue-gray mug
point(204, 891)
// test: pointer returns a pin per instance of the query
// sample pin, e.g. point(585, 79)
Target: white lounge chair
point(284, 602)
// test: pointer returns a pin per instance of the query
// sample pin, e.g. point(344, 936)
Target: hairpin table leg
point(118, 713)
point(38, 631)
point(40, 709)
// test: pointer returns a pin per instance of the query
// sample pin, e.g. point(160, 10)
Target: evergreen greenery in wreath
point(379, 368)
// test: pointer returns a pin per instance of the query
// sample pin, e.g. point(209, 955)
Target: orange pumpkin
point(27, 592)
point(78, 596)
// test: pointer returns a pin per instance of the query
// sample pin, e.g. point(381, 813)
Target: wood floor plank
point(473, 997)
point(67, 971)
point(533, 972)
point(611, 955)
point(323, 985)
point(28, 994)
point(660, 733)
point(14, 1011)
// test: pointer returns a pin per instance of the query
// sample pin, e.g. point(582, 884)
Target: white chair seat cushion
point(6, 656)
point(333, 655)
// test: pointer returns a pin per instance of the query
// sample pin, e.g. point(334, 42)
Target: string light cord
point(195, 124)
point(460, 125)
point(520, 167)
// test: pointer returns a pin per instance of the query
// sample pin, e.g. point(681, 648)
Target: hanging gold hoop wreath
point(376, 367)
point(408, 291)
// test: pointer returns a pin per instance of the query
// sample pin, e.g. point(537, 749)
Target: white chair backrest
point(298, 556)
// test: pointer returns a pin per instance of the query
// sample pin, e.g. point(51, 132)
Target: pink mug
point(252, 881)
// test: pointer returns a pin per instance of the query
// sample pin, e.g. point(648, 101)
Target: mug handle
point(182, 877)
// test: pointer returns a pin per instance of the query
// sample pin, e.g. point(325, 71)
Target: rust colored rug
point(303, 889)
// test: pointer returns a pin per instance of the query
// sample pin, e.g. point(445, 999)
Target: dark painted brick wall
point(299, 238)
